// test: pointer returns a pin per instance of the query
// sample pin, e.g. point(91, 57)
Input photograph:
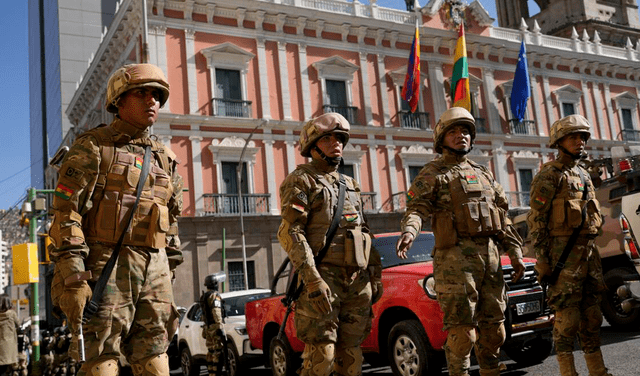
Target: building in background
point(611, 22)
point(258, 69)
point(63, 35)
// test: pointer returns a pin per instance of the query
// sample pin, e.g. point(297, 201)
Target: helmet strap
point(332, 161)
point(572, 155)
point(458, 152)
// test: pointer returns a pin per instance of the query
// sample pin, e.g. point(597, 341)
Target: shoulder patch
point(73, 173)
point(63, 191)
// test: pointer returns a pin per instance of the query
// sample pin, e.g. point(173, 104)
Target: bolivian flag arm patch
point(540, 200)
point(410, 195)
point(63, 192)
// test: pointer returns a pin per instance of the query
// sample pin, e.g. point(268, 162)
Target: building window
point(475, 84)
point(413, 172)
point(347, 169)
point(526, 177)
point(336, 78)
point(412, 120)
point(236, 275)
point(568, 98)
point(520, 127)
point(229, 66)
point(627, 106)
point(568, 109)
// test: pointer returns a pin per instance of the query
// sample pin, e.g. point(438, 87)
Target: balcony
point(481, 125)
point(397, 202)
point(231, 107)
point(518, 199)
point(368, 201)
point(524, 127)
point(414, 120)
point(349, 112)
point(630, 135)
point(224, 204)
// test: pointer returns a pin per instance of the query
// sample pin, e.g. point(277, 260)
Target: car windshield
point(234, 306)
point(420, 250)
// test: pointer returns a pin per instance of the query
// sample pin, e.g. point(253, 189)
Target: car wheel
point(234, 359)
point(409, 351)
point(611, 308)
point(530, 352)
point(189, 367)
point(282, 358)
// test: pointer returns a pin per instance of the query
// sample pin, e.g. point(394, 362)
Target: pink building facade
point(258, 69)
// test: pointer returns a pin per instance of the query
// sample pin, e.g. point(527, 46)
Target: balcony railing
point(231, 107)
point(223, 204)
point(349, 112)
point(630, 135)
point(368, 201)
point(481, 125)
point(525, 127)
point(397, 202)
point(414, 120)
point(518, 199)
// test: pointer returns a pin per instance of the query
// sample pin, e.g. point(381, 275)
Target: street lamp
point(240, 205)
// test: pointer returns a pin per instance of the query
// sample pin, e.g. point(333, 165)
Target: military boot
point(595, 364)
point(565, 361)
point(490, 372)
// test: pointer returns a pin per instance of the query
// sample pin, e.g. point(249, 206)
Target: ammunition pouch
point(357, 248)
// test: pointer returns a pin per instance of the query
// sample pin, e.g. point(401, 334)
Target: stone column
point(158, 54)
point(192, 81)
point(384, 97)
point(284, 79)
point(304, 81)
point(547, 99)
point(264, 80)
point(366, 88)
point(608, 106)
point(291, 151)
point(500, 164)
point(493, 115)
point(391, 162)
point(436, 83)
point(198, 190)
point(271, 177)
point(598, 98)
point(373, 163)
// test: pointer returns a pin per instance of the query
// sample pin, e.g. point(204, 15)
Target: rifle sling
point(93, 305)
point(572, 239)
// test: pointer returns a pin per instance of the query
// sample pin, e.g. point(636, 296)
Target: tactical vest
point(350, 246)
point(566, 207)
point(473, 210)
point(115, 194)
point(211, 304)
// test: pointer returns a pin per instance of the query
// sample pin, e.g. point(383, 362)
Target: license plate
point(528, 307)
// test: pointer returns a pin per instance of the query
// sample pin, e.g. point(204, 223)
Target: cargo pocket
point(574, 212)
point(472, 215)
point(557, 214)
point(594, 218)
point(107, 215)
point(158, 226)
point(355, 252)
point(445, 233)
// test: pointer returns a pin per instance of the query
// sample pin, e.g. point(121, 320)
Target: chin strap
point(331, 161)
point(582, 155)
point(459, 152)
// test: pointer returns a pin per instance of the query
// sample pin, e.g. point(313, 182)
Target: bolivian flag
point(411, 88)
point(460, 78)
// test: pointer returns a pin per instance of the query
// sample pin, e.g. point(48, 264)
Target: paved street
point(621, 353)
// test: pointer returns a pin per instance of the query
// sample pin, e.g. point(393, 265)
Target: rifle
point(295, 289)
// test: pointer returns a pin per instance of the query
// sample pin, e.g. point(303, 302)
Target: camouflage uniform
point(468, 209)
point(556, 209)
point(96, 189)
point(308, 197)
point(212, 331)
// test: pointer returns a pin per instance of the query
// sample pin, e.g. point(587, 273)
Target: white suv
point(192, 345)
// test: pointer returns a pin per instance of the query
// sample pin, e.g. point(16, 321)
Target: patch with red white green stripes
point(63, 191)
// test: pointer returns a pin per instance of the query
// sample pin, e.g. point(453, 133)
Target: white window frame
point(525, 160)
point(227, 56)
point(230, 150)
point(414, 156)
point(474, 91)
point(339, 69)
point(627, 101)
point(507, 87)
point(568, 94)
point(352, 155)
point(398, 76)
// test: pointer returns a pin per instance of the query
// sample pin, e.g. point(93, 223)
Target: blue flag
point(521, 90)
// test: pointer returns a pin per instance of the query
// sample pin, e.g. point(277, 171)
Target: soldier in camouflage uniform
point(95, 192)
point(212, 331)
point(333, 313)
point(470, 224)
point(556, 210)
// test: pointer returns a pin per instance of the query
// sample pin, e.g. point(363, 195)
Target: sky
point(15, 162)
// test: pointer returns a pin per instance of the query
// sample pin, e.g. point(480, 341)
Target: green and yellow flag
point(460, 78)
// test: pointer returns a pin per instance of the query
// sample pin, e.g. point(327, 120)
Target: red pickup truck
point(407, 325)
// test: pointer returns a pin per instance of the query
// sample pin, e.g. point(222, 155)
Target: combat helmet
point(211, 281)
point(133, 76)
point(449, 118)
point(331, 122)
point(567, 125)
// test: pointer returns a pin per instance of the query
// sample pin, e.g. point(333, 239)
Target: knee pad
point(492, 336)
point(318, 359)
point(108, 367)
point(157, 365)
point(460, 340)
point(348, 361)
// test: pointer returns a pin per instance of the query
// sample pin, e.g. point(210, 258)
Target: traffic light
point(43, 245)
point(24, 220)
